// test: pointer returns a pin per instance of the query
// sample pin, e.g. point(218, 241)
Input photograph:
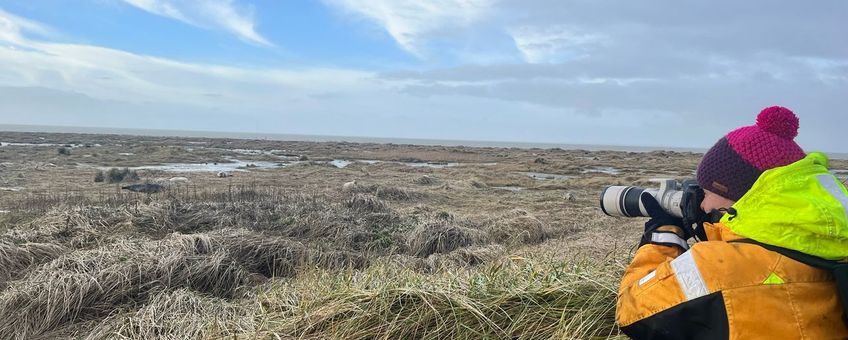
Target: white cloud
point(214, 14)
point(684, 79)
point(109, 74)
point(12, 27)
point(409, 21)
point(83, 85)
point(557, 43)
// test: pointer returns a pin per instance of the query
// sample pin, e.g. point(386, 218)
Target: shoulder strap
point(807, 259)
point(839, 269)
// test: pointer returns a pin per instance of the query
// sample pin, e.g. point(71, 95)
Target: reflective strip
point(669, 238)
point(688, 276)
point(830, 184)
point(647, 277)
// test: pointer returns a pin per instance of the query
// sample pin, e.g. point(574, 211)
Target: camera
point(680, 199)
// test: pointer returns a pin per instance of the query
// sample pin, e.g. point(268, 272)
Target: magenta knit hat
point(735, 162)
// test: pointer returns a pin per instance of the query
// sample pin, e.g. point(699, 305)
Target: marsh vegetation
point(293, 251)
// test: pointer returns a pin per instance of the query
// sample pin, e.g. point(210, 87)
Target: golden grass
point(444, 236)
point(514, 298)
point(268, 263)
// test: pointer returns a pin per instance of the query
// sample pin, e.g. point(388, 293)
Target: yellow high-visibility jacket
point(719, 289)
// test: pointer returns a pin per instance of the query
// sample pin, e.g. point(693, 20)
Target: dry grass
point(74, 227)
point(425, 180)
point(364, 202)
point(179, 266)
point(388, 192)
point(178, 314)
point(91, 284)
point(463, 258)
point(444, 236)
point(517, 299)
point(518, 227)
point(16, 259)
point(407, 253)
point(175, 215)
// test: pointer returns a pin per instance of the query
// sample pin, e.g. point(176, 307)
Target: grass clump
point(388, 192)
point(86, 285)
point(176, 215)
point(72, 227)
point(115, 175)
point(517, 227)
point(178, 314)
point(99, 176)
point(367, 203)
point(443, 236)
point(512, 299)
point(16, 258)
point(90, 284)
point(463, 257)
point(425, 180)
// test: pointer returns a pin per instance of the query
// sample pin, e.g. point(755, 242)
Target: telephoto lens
point(624, 201)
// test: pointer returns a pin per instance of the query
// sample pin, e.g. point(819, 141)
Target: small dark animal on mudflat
point(148, 188)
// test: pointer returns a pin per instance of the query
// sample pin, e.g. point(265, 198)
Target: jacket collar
point(719, 232)
point(799, 206)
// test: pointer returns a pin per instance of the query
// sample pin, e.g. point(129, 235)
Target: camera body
point(680, 199)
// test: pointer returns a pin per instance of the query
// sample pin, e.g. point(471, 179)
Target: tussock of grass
point(476, 183)
point(516, 299)
point(175, 215)
point(15, 259)
point(443, 236)
point(281, 257)
point(368, 203)
point(268, 256)
point(74, 227)
point(398, 194)
point(179, 314)
point(425, 180)
point(359, 222)
point(463, 257)
point(517, 227)
point(115, 175)
point(90, 284)
point(388, 192)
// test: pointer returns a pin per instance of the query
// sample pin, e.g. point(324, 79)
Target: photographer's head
point(733, 164)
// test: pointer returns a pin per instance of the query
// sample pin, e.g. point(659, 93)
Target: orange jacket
point(726, 290)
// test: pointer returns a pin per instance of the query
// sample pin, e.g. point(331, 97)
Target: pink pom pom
point(779, 121)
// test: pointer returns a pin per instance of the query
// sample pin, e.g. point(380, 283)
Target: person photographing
point(772, 250)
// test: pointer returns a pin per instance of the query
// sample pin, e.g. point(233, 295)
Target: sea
point(353, 139)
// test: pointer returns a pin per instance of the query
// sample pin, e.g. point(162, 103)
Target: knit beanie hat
point(735, 162)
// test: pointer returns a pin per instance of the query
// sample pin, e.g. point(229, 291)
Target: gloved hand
point(663, 228)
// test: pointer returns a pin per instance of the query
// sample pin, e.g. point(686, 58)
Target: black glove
point(663, 228)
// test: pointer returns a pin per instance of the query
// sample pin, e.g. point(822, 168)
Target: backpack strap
point(838, 269)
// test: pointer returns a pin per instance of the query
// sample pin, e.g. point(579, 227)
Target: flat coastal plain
point(235, 238)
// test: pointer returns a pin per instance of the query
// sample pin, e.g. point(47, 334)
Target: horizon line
point(280, 136)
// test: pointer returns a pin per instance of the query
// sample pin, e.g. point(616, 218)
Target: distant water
point(355, 139)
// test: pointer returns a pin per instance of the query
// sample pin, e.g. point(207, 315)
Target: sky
point(673, 73)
